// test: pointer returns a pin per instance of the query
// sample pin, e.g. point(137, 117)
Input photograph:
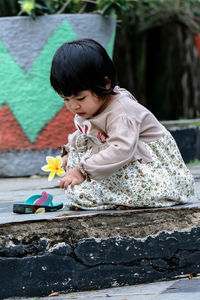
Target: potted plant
point(31, 114)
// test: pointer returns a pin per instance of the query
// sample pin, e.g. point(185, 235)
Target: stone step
point(68, 251)
point(77, 251)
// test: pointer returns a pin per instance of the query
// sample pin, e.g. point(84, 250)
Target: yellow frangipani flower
point(54, 167)
point(27, 6)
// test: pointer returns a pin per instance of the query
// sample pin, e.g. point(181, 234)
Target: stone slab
point(19, 189)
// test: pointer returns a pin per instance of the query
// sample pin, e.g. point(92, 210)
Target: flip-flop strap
point(46, 199)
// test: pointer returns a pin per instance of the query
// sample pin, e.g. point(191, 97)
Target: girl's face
point(86, 104)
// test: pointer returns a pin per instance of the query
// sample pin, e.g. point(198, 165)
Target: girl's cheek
point(67, 106)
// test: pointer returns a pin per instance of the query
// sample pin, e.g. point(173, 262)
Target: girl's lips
point(80, 114)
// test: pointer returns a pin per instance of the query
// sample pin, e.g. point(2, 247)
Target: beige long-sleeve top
point(116, 136)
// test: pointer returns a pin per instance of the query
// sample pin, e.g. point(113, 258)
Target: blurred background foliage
point(155, 53)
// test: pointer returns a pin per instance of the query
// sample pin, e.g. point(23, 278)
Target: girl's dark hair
point(82, 65)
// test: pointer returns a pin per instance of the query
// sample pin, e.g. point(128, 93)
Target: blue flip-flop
point(34, 202)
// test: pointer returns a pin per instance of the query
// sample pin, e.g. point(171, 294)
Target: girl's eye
point(80, 99)
point(65, 99)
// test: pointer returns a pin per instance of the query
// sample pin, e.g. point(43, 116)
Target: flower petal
point(58, 161)
point(51, 175)
point(51, 161)
point(60, 172)
point(46, 168)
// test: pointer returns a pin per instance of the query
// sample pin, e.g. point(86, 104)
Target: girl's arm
point(122, 144)
point(72, 178)
point(65, 148)
point(71, 142)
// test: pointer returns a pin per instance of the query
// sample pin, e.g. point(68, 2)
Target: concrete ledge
point(76, 251)
point(32, 160)
point(187, 136)
point(181, 123)
point(188, 141)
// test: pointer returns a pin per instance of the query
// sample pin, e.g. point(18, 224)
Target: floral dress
point(163, 180)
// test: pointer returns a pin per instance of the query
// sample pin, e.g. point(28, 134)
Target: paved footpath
point(182, 289)
point(19, 189)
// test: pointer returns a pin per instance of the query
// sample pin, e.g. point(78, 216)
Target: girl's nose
point(75, 106)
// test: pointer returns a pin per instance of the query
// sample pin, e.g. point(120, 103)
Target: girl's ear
point(107, 82)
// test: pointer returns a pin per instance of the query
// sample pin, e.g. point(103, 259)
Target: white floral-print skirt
point(166, 181)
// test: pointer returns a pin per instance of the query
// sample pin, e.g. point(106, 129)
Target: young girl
point(120, 155)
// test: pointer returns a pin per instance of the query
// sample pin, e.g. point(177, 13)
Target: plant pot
point(33, 120)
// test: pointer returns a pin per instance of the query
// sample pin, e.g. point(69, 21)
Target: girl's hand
point(72, 178)
point(64, 161)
